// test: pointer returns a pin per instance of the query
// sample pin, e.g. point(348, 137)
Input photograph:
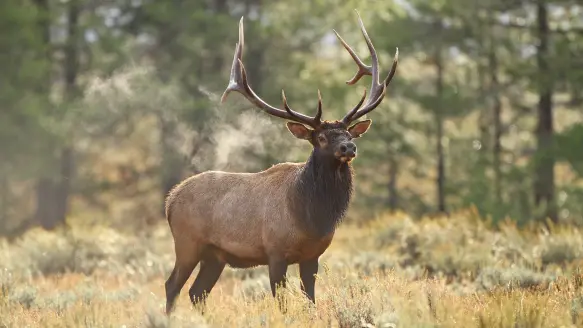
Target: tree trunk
point(221, 8)
point(45, 203)
point(45, 212)
point(255, 63)
point(497, 121)
point(441, 206)
point(55, 193)
point(62, 188)
point(544, 182)
point(484, 115)
point(71, 61)
point(53, 190)
point(255, 49)
point(392, 186)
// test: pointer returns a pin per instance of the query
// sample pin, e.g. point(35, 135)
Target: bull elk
point(284, 215)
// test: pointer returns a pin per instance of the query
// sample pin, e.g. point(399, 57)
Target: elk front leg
point(277, 279)
point(308, 271)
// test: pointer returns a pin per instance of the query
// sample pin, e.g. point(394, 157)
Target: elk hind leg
point(186, 261)
point(208, 275)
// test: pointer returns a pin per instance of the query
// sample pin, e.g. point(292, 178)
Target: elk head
point(333, 138)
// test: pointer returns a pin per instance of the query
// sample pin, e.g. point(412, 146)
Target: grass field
point(390, 272)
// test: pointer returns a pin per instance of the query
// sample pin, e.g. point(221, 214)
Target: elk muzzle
point(346, 151)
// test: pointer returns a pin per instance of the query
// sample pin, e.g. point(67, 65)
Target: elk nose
point(348, 149)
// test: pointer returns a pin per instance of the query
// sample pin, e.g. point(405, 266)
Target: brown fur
point(239, 221)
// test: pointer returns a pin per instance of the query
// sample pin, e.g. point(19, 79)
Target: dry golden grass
point(391, 272)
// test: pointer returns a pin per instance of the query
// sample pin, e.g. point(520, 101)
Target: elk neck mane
point(321, 193)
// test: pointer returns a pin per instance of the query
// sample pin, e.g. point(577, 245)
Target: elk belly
point(240, 250)
point(236, 259)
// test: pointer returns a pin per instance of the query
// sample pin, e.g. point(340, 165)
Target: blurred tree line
point(106, 104)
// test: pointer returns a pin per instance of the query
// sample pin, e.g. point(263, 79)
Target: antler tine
point(313, 122)
point(285, 105)
point(238, 82)
point(369, 107)
point(393, 70)
point(363, 69)
point(318, 116)
point(377, 89)
point(375, 85)
point(353, 111)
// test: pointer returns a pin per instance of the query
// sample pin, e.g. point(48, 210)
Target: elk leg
point(308, 270)
point(277, 278)
point(176, 281)
point(210, 271)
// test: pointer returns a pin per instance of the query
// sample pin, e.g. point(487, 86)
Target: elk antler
point(377, 89)
point(238, 82)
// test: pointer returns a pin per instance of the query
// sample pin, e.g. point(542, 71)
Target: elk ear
point(359, 128)
point(299, 131)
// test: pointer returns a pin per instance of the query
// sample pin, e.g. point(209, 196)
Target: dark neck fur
point(321, 194)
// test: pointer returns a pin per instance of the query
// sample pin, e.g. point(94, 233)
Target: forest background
point(105, 105)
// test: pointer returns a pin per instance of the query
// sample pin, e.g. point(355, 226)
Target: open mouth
point(346, 159)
